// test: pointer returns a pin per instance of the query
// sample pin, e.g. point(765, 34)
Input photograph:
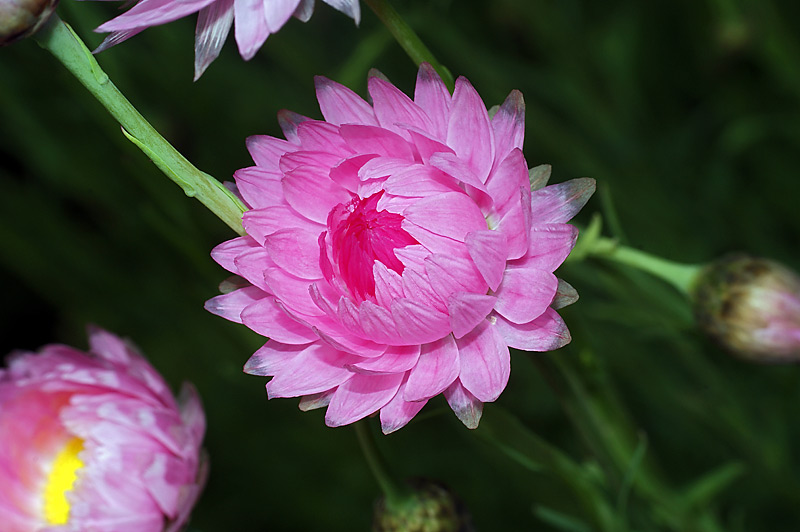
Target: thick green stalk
point(59, 39)
point(409, 40)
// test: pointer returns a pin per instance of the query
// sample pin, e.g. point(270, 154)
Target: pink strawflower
point(95, 442)
point(255, 21)
point(395, 251)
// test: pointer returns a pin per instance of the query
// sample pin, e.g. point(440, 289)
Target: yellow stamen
point(62, 478)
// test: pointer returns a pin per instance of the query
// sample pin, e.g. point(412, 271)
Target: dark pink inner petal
point(361, 234)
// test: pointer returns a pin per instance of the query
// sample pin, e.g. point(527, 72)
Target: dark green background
point(686, 112)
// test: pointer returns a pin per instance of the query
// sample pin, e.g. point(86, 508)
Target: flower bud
point(21, 18)
point(430, 508)
point(751, 306)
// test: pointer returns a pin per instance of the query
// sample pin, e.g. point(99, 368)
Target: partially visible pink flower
point(255, 21)
point(395, 251)
point(95, 442)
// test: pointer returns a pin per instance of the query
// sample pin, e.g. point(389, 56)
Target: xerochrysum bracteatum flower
point(255, 20)
point(395, 251)
point(95, 442)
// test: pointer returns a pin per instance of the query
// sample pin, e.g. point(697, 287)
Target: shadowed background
point(685, 112)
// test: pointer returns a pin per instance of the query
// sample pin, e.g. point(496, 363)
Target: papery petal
point(268, 319)
point(312, 193)
point(437, 368)
point(153, 12)
point(393, 107)
point(267, 151)
point(272, 358)
point(432, 96)
point(316, 369)
point(360, 396)
point(545, 333)
point(230, 306)
point(488, 250)
point(466, 407)
point(296, 251)
point(351, 8)
point(250, 28)
point(376, 140)
point(469, 131)
point(565, 295)
point(277, 12)
point(550, 245)
point(508, 125)
point(340, 105)
point(468, 310)
point(485, 362)
point(451, 214)
point(260, 188)
point(213, 25)
point(396, 359)
point(418, 323)
point(559, 203)
point(398, 412)
point(525, 293)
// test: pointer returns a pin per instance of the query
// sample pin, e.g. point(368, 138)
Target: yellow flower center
point(62, 478)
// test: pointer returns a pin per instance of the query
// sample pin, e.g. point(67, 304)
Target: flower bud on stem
point(59, 39)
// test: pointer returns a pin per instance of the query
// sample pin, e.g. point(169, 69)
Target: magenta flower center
point(360, 235)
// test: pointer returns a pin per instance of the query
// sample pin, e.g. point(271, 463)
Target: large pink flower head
point(255, 21)
point(95, 442)
point(396, 251)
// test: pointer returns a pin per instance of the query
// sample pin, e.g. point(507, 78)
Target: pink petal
point(426, 146)
point(277, 12)
point(457, 168)
point(515, 225)
point(289, 122)
point(116, 37)
point(250, 28)
point(213, 24)
point(346, 172)
point(267, 151)
point(393, 107)
point(452, 273)
point(317, 400)
point(388, 284)
point(340, 105)
point(349, 343)
point(259, 188)
point(508, 125)
point(271, 358)
point(525, 293)
point(549, 246)
point(315, 135)
point(311, 193)
point(398, 412)
point(508, 177)
point(376, 140)
point(152, 13)
point(419, 181)
point(545, 333)
point(316, 369)
point(417, 323)
point(225, 253)
point(268, 319)
point(360, 396)
point(432, 96)
point(351, 8)
point(320, 161)
point(230, 306)
point(559, 203)
point(488, 250)
point(467, 408)
point(291, 291)
point(252, 265)
point(433, 243)
point(378, 324)
point(469, 131)
point(304, 11)
point(451, 214)
point(438, 366)
point(485, 362)
point(261, 223)
point(396, 359)
point(468, 310)
point(296, 251)
point(418, 288)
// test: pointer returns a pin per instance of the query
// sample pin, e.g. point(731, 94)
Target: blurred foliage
point(685, 112)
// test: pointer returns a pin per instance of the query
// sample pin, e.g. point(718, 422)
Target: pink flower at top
point(395, 251)
point(95, 442)
point(255, 21)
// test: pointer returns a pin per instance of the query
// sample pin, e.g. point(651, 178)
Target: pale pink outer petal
point(213, 25)
point(489, 251)
point(250, 28)
point(451, 214)
point(278, 12)
point(340, 105)
point(312, 194)
point(116, 37)
point(398, 412)
point(550, 245)
point(485, 362)
point(508, 125)
point(419, 181)
point(432, 96)
point(393, 107)
point(396, 359)
point(361, 396)
point(268, 319)
point(369, 139)
point(259, 187)
point(437, 368)
point(231, 305)
point(417, 323)
point(452, 165)
point(315, 369)
point(304, 10)
point(271, 358)
point(559, 203)
point(468, 310)
point(545, 333)
point(508, 177)
point(296, 251)
point(314, 401)
point(351, 8)
point(469, 131)
point(153, 12)
point(267, 151)
point(566, 295)
point(426, 145)
point(466, 407)
point(225, 254)
point(525, 294)
point(260, 223)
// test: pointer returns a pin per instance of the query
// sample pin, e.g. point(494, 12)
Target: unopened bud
point(21, 18)
point(752, 307)
point(430, 508)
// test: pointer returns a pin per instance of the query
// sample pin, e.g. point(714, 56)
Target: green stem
point(394, 492)
point(409, 40)
point(59, 39)
point(681, 276)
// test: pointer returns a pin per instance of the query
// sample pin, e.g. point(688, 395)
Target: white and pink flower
point(255, 21)
point(396, 250)
point(95, 442)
